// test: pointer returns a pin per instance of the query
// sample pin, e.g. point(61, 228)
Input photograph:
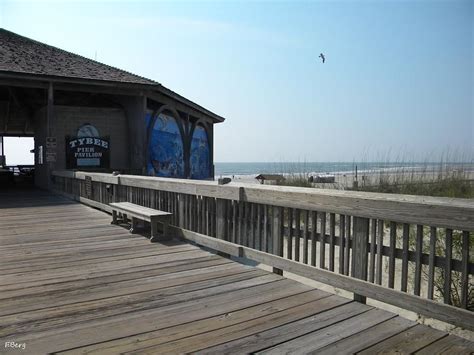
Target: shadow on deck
point(71, 282)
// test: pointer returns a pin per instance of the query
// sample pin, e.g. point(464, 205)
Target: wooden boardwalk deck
point(72, 283)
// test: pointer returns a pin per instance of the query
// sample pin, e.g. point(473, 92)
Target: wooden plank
point(448, 345)
point(365, 339)
point(408, 341)
point(359, 248)
point(268, 338)
point(182, 209)
point(332, 234)
point(347, 245)
point(190, 187)
point(32, 285)
point(252, 219)
point(45, 319)
point(314, 223)
point(207, 222)
point(104, 256)
point(418, 265)
point(297, 233)
point(81, 334)
point(198, 342)
point(447, 269)
point(245, 224)
point(46, 249)
point(50, 239)
point(313, 341)
point(431, 266)
point(373, 236)
point(240, 222)
point(405, 239)
point(195, 213)
point(289, 245)
point(221, 219)
point(359, 252)
point(266, 233)
point(299, 303)
point(342, 245)
point(322, 241)
point(305, 236)
point(391, 256)
point(99, 279)
point(198, 215)
point(465, 270)
point(258, 230)
point(45, 275)
point(207, 241)
point(137, 286)
point(234, 222)
point(277, 235)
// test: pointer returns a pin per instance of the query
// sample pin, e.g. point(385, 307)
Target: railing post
point(221, 219)
point(359, 252)
point(221, 230)
point(181, 202)
point(277, 235)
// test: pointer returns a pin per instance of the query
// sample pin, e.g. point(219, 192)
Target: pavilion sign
point(87, 152)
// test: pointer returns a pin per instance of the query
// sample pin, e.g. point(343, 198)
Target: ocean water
point(228, 169)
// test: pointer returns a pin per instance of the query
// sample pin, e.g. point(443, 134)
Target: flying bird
point(322, 57)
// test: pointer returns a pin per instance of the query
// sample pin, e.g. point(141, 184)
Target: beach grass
point(451, 175)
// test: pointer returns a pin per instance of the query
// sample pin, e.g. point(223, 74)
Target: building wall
point(130, 131)
point(109, 121)
point(66, 121)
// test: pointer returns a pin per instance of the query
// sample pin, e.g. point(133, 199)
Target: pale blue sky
point(398, 75)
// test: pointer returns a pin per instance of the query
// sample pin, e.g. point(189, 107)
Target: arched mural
point(165, 148)
point(200, 156)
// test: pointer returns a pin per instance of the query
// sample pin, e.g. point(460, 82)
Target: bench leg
point(114, 217)
point(155, 236)
point(133, 228)
point(154, 231)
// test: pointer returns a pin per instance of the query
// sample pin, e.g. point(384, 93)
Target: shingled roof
point(20, 54)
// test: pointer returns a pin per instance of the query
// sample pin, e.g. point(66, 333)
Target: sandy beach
point(345, 180)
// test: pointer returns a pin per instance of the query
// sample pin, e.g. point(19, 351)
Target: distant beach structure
point(271, 179)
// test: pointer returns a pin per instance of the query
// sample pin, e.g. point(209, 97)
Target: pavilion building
point(85, 115)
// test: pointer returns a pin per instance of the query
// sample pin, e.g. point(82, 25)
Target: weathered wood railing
point(412, 252)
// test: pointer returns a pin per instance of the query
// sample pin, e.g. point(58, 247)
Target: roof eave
point(137, 88)
point(178, 97)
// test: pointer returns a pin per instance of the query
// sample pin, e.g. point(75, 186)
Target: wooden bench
point(137, 212)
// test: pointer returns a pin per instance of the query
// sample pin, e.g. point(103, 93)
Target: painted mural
point(165, 148)
point(200, 157)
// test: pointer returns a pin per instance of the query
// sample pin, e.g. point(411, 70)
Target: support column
point(2, 152)
point(277, 235)
point(221, 225)
point(49, 122)
point(359, 252)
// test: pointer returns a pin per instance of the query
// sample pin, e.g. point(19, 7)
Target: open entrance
point(17, 162)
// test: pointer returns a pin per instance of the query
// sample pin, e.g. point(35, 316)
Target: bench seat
point(137, 212)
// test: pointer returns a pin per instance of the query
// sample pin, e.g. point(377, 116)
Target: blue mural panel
point(165, 148)
point(200, 157)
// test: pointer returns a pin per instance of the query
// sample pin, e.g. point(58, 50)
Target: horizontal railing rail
point(415, 245)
